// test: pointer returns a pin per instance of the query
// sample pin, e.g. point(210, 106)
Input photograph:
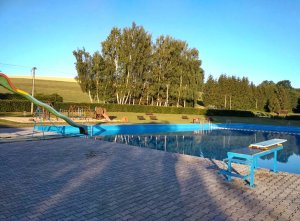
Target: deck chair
point(152, 117)
point(140, 117)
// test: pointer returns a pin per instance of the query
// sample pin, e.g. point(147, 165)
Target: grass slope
point(70, 91)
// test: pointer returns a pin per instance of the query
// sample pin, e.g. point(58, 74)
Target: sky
point(258, 39)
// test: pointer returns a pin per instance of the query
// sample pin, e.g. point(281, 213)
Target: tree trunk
point(125, 98)
point(90, 96)
point(97, 91)
point(167, 99)
point(179, 94)
point(118, 100)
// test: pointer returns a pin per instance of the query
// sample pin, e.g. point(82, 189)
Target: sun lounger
point(140, 117)
point(152, 117)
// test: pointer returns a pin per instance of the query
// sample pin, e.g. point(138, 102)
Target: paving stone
point(54, 180)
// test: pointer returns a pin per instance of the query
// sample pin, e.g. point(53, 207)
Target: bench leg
point(275, 162)
point(229, 169)
point(255, 163)
point(251, 172)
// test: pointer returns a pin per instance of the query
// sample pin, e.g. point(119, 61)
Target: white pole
point(32, 92)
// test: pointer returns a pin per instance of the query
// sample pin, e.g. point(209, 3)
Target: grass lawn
point(116, 117)
point(162, 119)
point(70, 91)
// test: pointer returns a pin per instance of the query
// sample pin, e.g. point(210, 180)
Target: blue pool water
point(209, 141)
point(215, 144)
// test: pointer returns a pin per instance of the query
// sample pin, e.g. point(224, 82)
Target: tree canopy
point(131, 69)
point(230, 92)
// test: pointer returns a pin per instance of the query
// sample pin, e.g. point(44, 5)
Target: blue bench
point(248, 156)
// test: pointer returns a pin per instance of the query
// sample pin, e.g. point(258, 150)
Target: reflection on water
point(215, 144)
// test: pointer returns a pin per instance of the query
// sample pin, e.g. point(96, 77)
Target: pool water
point(211, 141)
point(214, 144)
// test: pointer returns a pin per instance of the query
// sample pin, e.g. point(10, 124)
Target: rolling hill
point(70, 91)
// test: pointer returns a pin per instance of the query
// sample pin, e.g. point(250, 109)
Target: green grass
point(163, 119)
point(116, 116)
point(70, 91)
point(6, 123)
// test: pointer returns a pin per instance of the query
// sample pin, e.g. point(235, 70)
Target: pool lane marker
point(266, 131)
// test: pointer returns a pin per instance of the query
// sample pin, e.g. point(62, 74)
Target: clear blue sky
point(258, 39)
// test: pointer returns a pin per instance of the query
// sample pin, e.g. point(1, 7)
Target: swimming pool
point(211, 141)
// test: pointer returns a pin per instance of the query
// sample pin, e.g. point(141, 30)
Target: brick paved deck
point(86, 179)
point(21, 133)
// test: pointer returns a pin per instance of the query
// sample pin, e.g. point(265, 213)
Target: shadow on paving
point(82, 179)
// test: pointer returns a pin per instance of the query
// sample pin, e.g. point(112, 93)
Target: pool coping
point(103, 130)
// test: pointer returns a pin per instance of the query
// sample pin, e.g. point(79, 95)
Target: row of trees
point(230, 92)
point(131, 69)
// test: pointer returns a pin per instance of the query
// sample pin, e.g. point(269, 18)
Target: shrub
point(15, 105)
point(293, 117)
point(133, 108)
point(232, 113)
point(7, 96)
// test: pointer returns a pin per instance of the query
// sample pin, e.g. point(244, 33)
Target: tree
point(177, 73)
point(84, 71)
point(285, 83)
point(128, 51)
point(273, 104)
point(297, 108)
point(131, 69)
point(102, 79)
point(211, 93)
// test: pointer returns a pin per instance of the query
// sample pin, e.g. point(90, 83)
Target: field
point(70, 91)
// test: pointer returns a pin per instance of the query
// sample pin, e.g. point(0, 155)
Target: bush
point(15, 106)
point(20, 105)
point(293, 117)
point(8, 96)
point(232, 113)
point(133, 108)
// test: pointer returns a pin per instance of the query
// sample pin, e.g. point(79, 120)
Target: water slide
point(6, 83)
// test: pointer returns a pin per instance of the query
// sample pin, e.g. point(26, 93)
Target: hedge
point(133, 108)
point(8, 96)
point(293, 117)
point(19, 106)
point(14, 105)
point(232, 113)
